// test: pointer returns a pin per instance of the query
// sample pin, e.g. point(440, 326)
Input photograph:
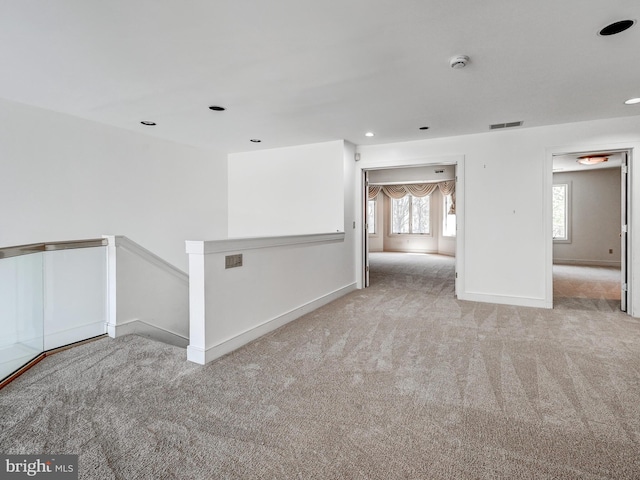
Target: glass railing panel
point(21, 311)
point(75, 295)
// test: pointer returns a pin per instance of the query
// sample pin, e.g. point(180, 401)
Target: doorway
point(590, 201)
point(412, 218)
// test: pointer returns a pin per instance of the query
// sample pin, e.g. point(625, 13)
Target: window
point(561, 212)
point(410, 215)
point(371, 217)
point(448, 220)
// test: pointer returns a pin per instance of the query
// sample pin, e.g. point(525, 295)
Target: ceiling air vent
point(496, 126)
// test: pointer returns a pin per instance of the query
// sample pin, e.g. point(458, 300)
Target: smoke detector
point(459, 61)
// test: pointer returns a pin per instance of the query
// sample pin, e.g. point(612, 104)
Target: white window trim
point(404, 235)
point(568, 213)
point(444, 216)
point(375, 234)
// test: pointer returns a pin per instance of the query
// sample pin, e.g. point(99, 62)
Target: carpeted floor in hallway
point(578, 287)
point(397, 381)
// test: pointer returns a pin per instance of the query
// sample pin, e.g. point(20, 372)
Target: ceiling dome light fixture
point(369, 134)
point(632, 101)
point(216, 108)
point(148, 123)
point(616, 27)
point(593, 159)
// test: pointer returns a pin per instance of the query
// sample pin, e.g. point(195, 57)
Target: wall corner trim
point(196, 355)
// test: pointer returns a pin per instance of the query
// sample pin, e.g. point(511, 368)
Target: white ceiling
point(298, 71)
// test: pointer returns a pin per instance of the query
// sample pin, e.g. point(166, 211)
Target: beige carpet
point(397, 381)
point(577, 287)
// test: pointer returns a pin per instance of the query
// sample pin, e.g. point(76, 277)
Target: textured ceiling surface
point(294, 71)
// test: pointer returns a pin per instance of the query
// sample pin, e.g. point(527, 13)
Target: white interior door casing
point(624, 230)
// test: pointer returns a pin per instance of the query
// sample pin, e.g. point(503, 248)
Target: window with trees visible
point(561, 212)
point(448, 219)
point(410, 215)
point(371, 217)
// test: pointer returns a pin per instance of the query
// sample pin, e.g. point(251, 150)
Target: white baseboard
point(201, 356)
point(506, 300)
point(196, 355)
point(417, 250)
point(75, 334)
point(411, 250)
point(586, 263)
point(145, 329)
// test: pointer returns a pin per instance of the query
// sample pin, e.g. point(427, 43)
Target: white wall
point(146, 295)
point(282, 277)
point(595, 218)
point(323, 174)
point(276, 284)
point(396, 176)
point(507, 255)
point(64, 178)
point(287, 191)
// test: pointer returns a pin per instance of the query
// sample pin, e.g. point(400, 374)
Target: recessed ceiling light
point(368, 134)
point(632, 101)
point(255, 140)
point(616, 27)
point(424, 128)
point(148, 123)
point(216, 108)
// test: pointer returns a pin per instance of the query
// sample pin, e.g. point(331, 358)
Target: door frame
point(361, 205)
point(365, 228)
point(626, 196)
